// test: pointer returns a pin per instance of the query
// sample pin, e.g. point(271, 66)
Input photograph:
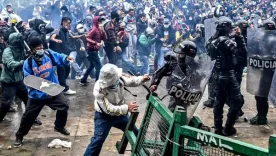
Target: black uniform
point(227, 88)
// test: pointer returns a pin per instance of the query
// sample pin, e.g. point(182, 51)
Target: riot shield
point(210, 28)
point(187, 87)
point(261, 63)
point(272, 91)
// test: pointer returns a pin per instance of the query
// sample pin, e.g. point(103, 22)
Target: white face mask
point(81, 30)
point(190, 18)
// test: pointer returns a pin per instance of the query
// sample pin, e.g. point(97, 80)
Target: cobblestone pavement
point(80, 124)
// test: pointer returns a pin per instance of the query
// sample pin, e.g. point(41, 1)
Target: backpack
point(46, 53)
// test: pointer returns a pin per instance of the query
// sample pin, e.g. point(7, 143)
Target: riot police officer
point(224, 50)
point(172, 59)
point(261, 99)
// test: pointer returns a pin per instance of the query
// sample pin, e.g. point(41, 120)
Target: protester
point(37, 99)
point(94, 41)
point(110, 105)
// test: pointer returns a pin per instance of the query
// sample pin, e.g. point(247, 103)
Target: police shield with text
point(187, 77)
point(224, 50)
point(261, 66)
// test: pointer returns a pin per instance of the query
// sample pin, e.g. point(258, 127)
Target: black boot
point(229, 131)
point(209, 103)
point(62, 131)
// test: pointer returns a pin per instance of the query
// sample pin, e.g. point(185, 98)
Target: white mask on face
point(81, 30)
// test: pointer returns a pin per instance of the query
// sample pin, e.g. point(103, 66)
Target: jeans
point(103, 124)
point(132, 45)
point(145, 68)
point(159, 57)
point(122, 59)
point(74, 64)
point(94, 60)
point(63, 72)
point(34, 107)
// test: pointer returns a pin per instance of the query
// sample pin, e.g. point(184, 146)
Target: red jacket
point(95, 35)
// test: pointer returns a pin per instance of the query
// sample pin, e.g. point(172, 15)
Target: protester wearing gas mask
point(40, 30)
point(111, 43)
point(42, 59)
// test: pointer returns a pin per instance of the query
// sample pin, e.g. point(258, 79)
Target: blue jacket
point(45, 71)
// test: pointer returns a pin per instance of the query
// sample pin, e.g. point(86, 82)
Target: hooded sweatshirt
point(95, 35)
point(13, 59)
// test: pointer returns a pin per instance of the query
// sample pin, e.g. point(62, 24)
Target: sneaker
point(37, 122)
point(79, 77)
point(259, 120)
point(69, 92)
point(84, 83)
point(18, 142)
point(62, 131)
point(229, 131)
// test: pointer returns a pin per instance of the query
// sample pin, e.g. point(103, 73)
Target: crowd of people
point(84, 40)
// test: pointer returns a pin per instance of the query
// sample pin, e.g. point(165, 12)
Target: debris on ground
point(57, 143)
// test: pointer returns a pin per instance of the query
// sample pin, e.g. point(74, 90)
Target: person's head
point(64, 9)
point(224, 26)
point(36, 46)
point(149, 32)
point(115, 17)
point(92, 9)
point(183, 49)
point(122, 26)
point(167, 23)
point(143, 17)
point(242, 24)
point(66, 23)
point(16, 40)
point(131, 12)
point(109, 77)
point(9, 8)
point(80, 28)
point(268, 25)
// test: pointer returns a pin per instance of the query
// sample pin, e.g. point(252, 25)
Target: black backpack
point(46, 53)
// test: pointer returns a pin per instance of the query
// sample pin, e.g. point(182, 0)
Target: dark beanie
point(34, 42)
point(114, 14)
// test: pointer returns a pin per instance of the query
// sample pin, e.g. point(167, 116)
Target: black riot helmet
point(242, 24)
point(186, 48)
point(268, 25)
point(224, 24)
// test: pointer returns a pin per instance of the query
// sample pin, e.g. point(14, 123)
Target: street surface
point(81, 125)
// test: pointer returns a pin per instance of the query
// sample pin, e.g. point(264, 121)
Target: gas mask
point(41, 28)
point(38, 56)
